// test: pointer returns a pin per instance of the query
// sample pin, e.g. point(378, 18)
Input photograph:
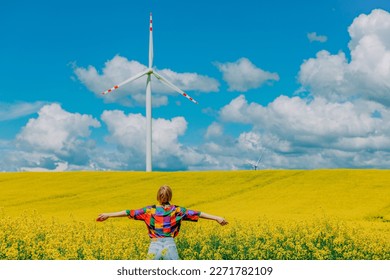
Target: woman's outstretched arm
point(220, 220)
point(104, 216)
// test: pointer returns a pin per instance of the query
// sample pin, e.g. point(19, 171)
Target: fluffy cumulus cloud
point(214, 130)
point(56, 138)
point(120, 69)
point(316, 123)
point(366, 75)
point(298, 132)
point(127, 133)
point(242, 75)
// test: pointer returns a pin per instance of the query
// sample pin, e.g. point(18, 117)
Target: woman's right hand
point(102, 217)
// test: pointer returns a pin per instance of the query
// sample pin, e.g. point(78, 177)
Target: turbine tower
point(149, 72)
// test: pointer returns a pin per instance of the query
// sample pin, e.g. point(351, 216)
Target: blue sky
point(299, 84)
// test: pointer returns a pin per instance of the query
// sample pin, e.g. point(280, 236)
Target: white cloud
point(56, 136)
point(214, 130)
point(119, 69)
point(60, 166)
point(278, 153)
point(318, 121)
point(55, 129)
point(249, 141)
point(239, 111)
point(188, 81)
point(376, 23)
point(242, 75)
point(314, 37)
point(325, 76)
point(128, 133)
point(367, 75)
point(10, 111)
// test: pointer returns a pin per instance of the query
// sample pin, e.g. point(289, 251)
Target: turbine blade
point(151, 42)
point(261, 156)
point(172, 86)
point(139, 75)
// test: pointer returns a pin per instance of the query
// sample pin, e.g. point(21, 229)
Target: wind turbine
point(149, 72)
point(256, 164)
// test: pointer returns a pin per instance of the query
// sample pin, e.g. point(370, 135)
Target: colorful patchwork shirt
point(163, 221)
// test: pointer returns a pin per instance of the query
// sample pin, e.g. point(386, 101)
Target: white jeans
point(163, 248)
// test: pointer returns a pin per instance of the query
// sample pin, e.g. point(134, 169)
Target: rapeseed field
point(279, 215)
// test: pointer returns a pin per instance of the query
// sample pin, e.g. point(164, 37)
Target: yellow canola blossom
point(272, 214)
point(33, 237)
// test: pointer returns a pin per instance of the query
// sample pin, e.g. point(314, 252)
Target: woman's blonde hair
point(164, 194)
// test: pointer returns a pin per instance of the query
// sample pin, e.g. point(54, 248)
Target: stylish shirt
point(163, 221)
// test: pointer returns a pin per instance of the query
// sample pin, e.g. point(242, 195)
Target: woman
point(163, 222)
